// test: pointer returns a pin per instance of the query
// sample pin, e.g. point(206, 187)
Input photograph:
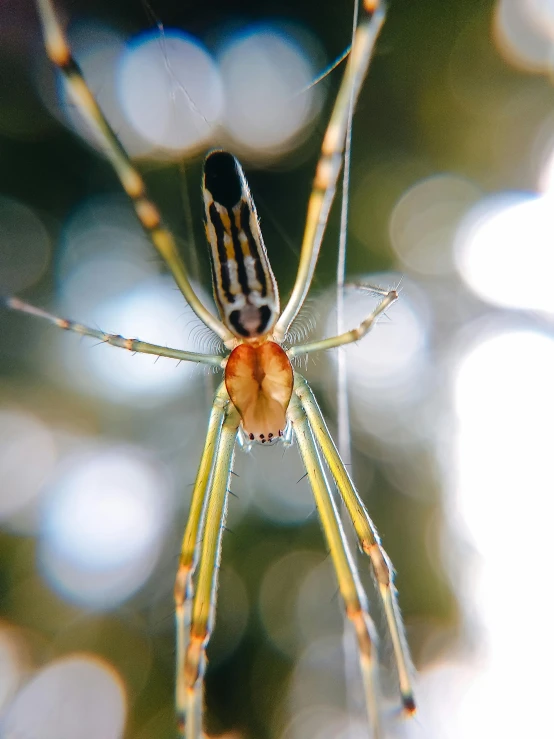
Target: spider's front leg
point(202, 540)
point(195, 612)
point(184, 588)
point(368, 538)
point(350, 587)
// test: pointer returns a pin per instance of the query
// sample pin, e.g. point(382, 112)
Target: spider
point(262, 398)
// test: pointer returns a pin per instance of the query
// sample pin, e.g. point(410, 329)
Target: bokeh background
point(450, 397)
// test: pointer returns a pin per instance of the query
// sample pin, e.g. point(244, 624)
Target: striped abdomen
point(244, 286)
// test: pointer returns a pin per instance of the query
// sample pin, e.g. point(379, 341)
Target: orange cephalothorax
point(259, 382)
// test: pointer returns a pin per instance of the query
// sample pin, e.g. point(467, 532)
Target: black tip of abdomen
point(223, 178)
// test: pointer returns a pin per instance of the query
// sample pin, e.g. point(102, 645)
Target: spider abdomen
point(244, 286)
point(259, 381)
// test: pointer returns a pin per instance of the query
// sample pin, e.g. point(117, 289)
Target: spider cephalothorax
point(259, 381)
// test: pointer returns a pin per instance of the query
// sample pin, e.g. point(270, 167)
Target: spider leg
point(330, 162)
point(347, 575)
point(348, 337)
point(132, 345)
point(368, 538)
point(208, 543)
point(59, 53)
point(184, 588)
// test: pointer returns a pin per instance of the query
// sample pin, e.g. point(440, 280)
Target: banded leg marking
point(348, 580)
point(348, 337)
point(184, 588)
point(368, 538)
point(330, 162)
point(204, 603)
point(59, 52)
point(132, 345)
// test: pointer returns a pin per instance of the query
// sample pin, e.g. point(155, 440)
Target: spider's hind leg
point(60, 54)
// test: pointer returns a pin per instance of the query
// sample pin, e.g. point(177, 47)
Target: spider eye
point(244, 286)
